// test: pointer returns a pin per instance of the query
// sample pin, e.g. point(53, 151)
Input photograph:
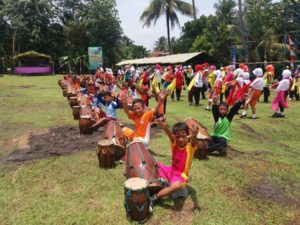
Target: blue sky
point(130, 11)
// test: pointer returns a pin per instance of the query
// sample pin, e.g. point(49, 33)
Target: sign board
point(95, 57)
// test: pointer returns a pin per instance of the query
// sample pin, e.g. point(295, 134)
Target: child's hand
point(123, 98)
point(161, 123)
point(194, 131)
point(215, 100)
point(161, 96)
point(245, 95)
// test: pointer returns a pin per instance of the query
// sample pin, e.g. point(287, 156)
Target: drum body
point(76, 112)
point(73, 101)
point(106, 154)
point(137, 200)
point(113, 131)
point(140, 163)
point(85, 123)
point(203, 138)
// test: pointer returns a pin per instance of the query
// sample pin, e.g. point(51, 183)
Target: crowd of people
point(225, 91)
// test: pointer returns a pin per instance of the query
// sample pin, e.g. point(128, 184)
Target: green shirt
point(222, 128)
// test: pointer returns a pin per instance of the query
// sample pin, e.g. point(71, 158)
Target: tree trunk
point(194, 10)
point(168, 29)
point(13, 45)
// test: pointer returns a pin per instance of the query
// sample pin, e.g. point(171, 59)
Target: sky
point(130, 11)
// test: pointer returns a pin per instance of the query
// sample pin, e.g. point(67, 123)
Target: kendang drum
point(203, 137)
point(76, 112)
point(137, 199)
point(140, 163)
point(73, 101)
point(106, 154)
point(113, 131)
point(85, 124)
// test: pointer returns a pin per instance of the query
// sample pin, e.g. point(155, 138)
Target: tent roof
point(31, 54)
point(169, 59)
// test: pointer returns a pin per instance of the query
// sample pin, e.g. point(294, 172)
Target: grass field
point(258, 183)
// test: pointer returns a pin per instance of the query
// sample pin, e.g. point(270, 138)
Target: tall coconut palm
point(157, 8)
point(194, 10)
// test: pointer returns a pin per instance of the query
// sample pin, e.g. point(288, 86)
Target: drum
point(76, 112)
point(137, 200)
point(73, 101)
point(106, 154)
point(203, 138)
point(85, 123)
point(113, 131)
point(140, 163)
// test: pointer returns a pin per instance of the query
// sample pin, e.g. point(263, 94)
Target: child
point(195, 86)
point(221, 132)
point(142, 116)
point(183, 151)
point(255, 91)
point(216, 88)
point(110, 112)
point(279, 102)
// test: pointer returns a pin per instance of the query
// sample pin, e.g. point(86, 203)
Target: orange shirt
point(142, 123)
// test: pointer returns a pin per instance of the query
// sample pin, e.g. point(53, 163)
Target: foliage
point(168, 8)
point(263, 29)
point(60, 27)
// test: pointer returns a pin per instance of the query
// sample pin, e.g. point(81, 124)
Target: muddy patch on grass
point(55, 142)
point(272, 193)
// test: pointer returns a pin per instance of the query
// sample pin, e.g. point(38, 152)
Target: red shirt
point(179, 79)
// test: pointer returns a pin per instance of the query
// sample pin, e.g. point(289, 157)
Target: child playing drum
point(183, 149)
point(110, 112)
point(142, 116)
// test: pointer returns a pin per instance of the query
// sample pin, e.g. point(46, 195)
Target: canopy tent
point(185, 58)
point(32, 62)
point(31, 54)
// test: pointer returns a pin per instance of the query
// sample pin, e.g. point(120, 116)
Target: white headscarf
point(258, 72)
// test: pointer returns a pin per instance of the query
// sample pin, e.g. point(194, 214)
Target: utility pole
point(243, 38)
point(194, 10)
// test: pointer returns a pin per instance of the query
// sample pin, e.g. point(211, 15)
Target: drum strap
point(141, 155)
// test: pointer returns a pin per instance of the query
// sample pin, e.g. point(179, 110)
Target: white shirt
point(258, 83)
point(158, 75)
point(199, 82)
point(283, 85)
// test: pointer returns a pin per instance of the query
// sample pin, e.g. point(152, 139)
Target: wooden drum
point(203, 137)
point(137, 200)
point(106, 154)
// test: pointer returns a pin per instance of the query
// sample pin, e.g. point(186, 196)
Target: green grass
point(73, 190)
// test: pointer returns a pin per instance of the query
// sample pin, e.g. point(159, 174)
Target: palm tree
point(161, 44)
point(194, 10)
point(168, 8)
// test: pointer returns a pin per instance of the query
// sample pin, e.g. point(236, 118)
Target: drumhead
point(135, 183)
point(86, 117)
point(105, 142)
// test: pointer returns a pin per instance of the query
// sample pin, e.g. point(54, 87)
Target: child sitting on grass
point(221, 132)
point(183, 149)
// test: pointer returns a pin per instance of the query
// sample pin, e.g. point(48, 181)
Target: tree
point(157, 8)
point(161, 44)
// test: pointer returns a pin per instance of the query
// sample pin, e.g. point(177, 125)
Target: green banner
point(95, 57)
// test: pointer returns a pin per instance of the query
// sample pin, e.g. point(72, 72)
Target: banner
point(95, 57)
